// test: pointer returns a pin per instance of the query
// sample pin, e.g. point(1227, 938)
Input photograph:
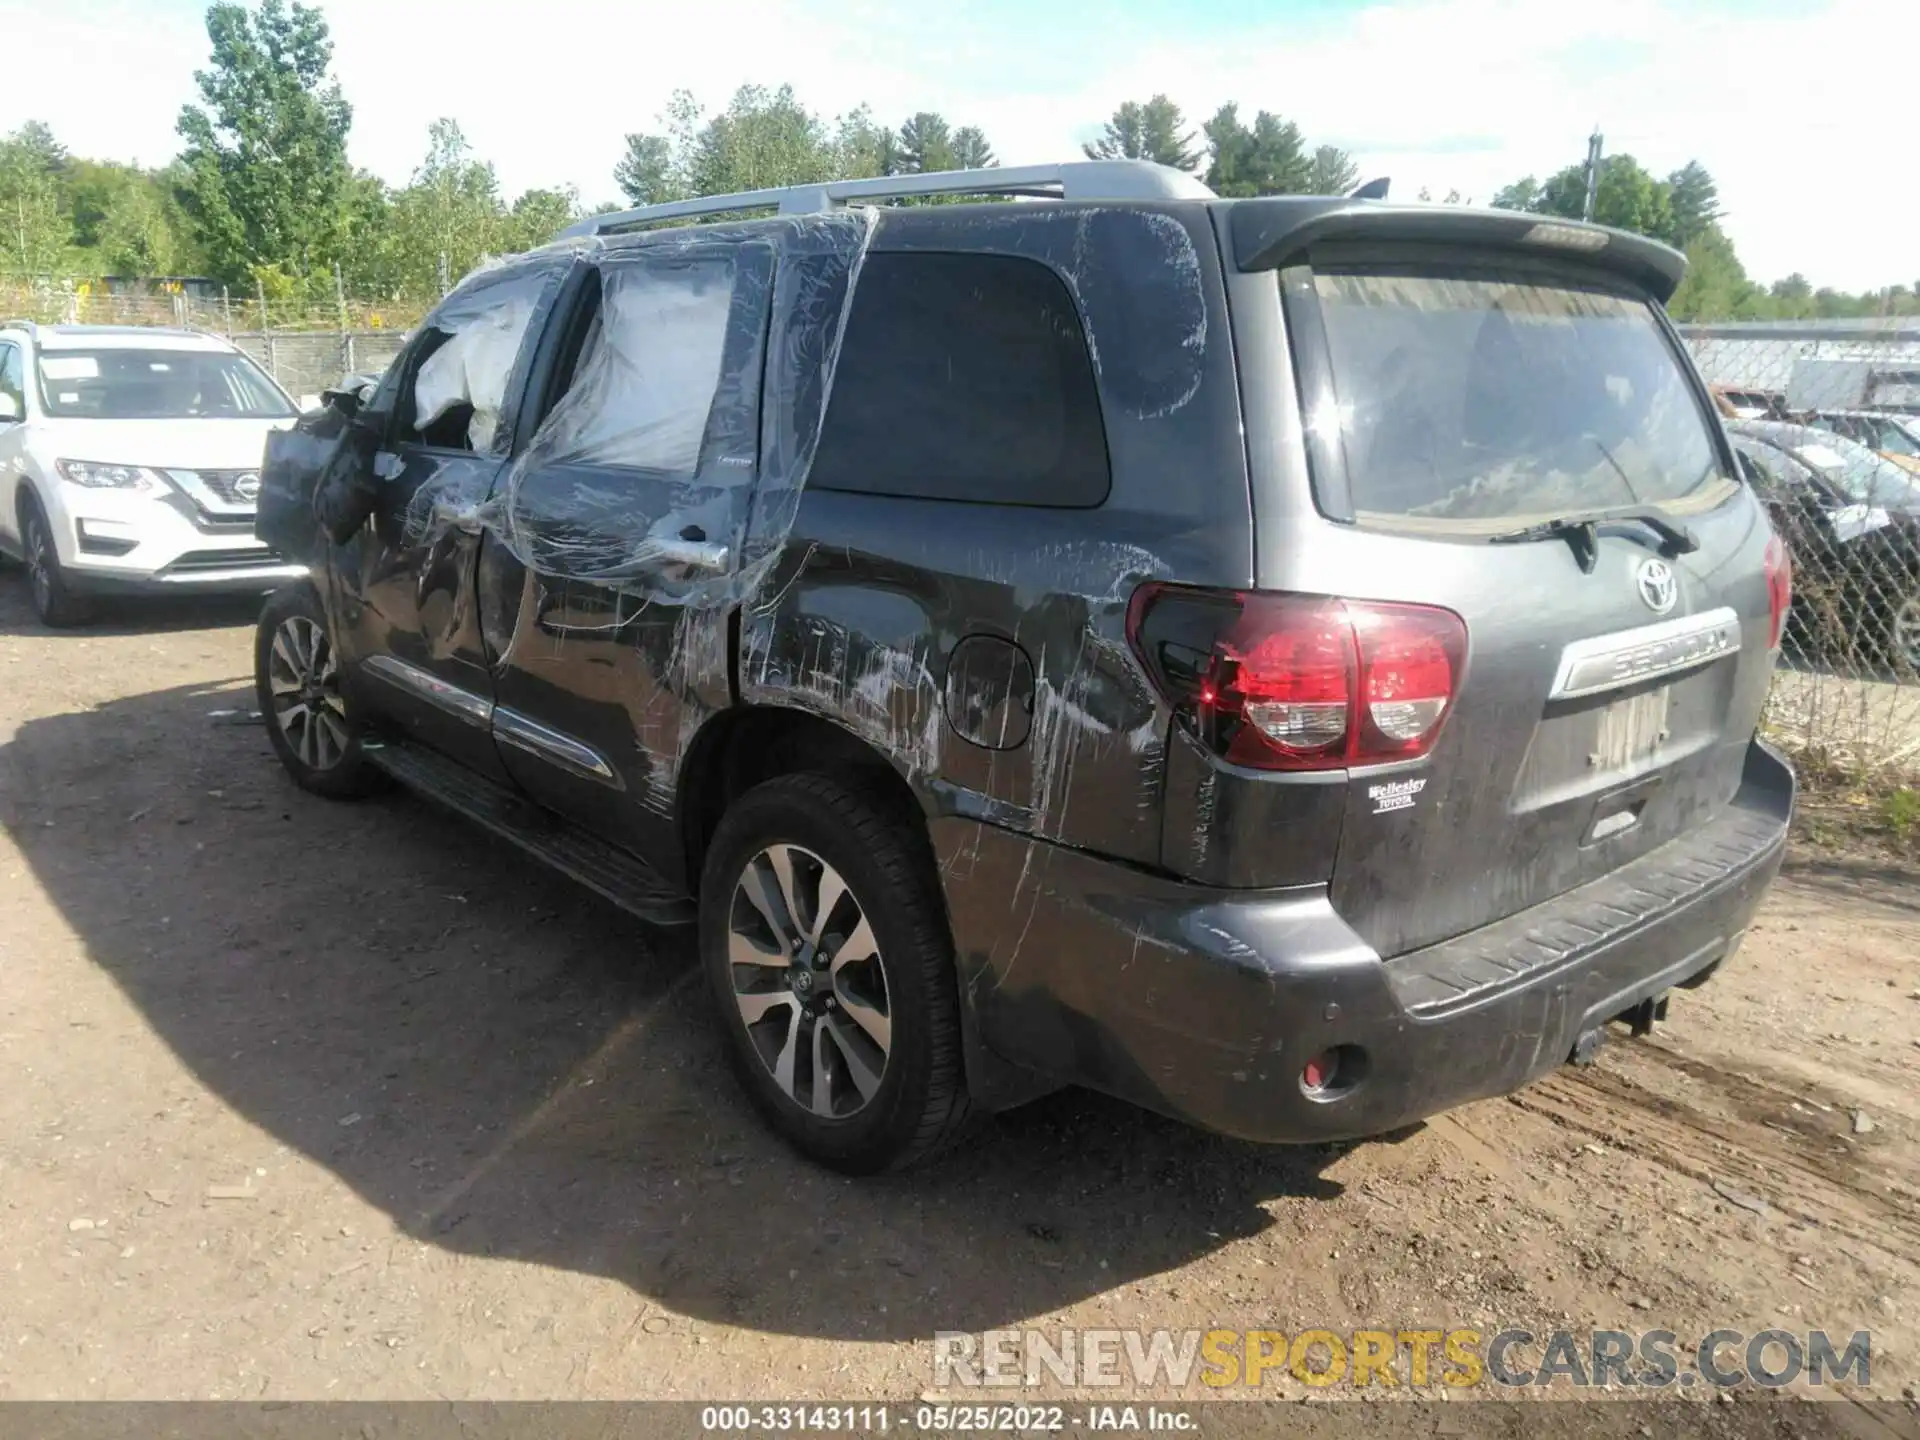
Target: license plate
point(1632, 729)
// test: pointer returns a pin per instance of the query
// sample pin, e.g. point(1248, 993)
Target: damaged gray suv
point(1293, 664)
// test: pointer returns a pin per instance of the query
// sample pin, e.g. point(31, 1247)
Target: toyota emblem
point(247, 486)
point(1657, 585)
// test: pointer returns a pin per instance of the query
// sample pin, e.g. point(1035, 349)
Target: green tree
point(646, 174)
point(763, 140)
point(1830, 304)
point(1332, 172)
point(265, 152)
point(34, 224)
point(538, 217)
point(1715, 286)
point(37, 139)
point(862, 149)
point(1794, 289)
point(971, 150)
point(925, 144)
point(1270, 158)
point(1627, 198)
point(448, 219)
point(766, 139)
point(1523, 194)
point(1695, 201)
point(1155, 130)
point(127, 221)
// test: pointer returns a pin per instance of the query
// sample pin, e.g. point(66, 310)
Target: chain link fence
point(305, 362)
point(1825, 421)
point(305, 348)
point(194, 305)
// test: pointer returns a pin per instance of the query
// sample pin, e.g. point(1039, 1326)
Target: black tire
point(321, 746)
point(54, 600)
point(920, 1105)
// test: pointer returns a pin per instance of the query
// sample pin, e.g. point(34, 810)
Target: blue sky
point(1801, 108)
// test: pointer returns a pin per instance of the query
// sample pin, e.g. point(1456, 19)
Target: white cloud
point(1798, 113)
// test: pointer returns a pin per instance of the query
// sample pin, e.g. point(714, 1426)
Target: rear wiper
point(1582, 532)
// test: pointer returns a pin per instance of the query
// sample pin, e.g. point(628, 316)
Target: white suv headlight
point(96, 476)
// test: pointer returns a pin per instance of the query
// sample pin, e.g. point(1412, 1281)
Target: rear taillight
point(1779, 589)
point(1300, 682)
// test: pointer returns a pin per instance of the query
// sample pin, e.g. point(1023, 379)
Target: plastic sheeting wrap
point(668, 468)
point(472, 368)
point(298, 463)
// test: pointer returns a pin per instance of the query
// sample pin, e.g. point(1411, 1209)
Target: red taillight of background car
point(1779, 589)
point(1300, 682)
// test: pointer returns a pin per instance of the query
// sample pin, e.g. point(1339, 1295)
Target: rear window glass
point(1476, 401)
point(964, 377)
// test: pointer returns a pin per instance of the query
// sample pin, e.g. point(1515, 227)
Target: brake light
point(1779, 589)
point(1300, 682)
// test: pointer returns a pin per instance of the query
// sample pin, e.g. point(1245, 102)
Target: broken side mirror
point(350, 396)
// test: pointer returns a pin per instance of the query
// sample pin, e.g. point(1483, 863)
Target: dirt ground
point(307, 1100)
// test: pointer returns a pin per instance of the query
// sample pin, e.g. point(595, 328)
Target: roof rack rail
point(1075, 180)
point(30, 326)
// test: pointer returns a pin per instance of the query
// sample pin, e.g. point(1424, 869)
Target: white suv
point(130, 460)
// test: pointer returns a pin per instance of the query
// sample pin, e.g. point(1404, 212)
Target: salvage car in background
point(1895, 437)
point(1852, 529)
point(130, 462)
point(1005, 717)
point(1863, 475)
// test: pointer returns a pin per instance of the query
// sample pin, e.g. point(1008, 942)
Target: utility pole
point(1593, 173)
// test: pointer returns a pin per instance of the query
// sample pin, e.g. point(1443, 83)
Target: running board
point(628, 882)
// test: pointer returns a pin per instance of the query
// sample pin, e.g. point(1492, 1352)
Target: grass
point(1845, 808)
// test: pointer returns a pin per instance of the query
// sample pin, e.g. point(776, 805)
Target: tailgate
point(1586, 731)
point(1615, 671)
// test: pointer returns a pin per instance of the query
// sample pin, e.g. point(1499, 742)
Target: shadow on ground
point(533, 1073)
point(1884, 882)
point(123, 614)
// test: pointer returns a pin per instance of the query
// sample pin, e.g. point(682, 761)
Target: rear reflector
point(1779, 590)
point(1300, 682)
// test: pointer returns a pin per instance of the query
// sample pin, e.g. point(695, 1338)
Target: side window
point(648, 373)
point(13, 379)
point(457, 373)
point(1891, 439)
point(964, 377)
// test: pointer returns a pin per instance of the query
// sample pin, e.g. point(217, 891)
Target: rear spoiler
point(1271, 233)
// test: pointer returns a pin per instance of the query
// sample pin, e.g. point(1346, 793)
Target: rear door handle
point(692, 549)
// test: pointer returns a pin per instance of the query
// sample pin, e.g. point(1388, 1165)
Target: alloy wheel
point(1906, 633)
point(304, 680)
point(809, 981)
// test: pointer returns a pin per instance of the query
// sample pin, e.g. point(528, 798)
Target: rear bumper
point(1205, 1004)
